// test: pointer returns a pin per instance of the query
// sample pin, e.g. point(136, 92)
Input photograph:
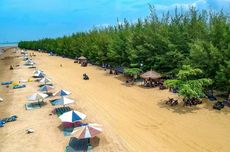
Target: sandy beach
point(133, 118)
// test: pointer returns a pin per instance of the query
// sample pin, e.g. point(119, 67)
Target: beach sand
point(133, 118)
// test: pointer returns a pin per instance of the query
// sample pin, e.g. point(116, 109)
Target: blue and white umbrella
point(72, 116)
point(37, 96)
point(45, 80)
point(46, 88)
point(61, 93)
point(39, 74)
point(29, 62)
point(37, 71)
point(63, 101)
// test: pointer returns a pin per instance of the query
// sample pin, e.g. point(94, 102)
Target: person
point(11, 67)
point(110, 71)
point(60, 65)
point(85, 76)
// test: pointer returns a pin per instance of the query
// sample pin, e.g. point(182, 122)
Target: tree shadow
point(144, 87)
point(209, 106)
point(32, 67)
point(41, 85)
point(180, 108)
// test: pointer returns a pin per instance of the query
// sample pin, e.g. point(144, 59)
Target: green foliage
point(198, 38)
point(132, 71)
point(188, 85)
point(223, 77)
point(187, 72)
point(134, 65)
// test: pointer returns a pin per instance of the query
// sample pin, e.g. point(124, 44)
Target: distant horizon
point(25, 21)
point(8, 44)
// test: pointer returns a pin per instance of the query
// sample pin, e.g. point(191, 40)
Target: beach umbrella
point(1, 99)
point(46, 88)
point(72, 116)
point(45, 80)
point(37, 71)
point(39, 74)
point(37, 97)
point(87, 131)
point(29, 62)
point(61, 93)
point(64, 101)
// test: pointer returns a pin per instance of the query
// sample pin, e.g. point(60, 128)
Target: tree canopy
point(188, 83)
point(164, 43)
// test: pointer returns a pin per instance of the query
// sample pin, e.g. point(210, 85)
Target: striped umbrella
point(45, 80)
point(61, 93)
point(72, 116)
point(29, 62)
point(37, 96)
point(64, 101)
point(46, 88)
point(37, 71)
point(87, 131)
point(39, 74)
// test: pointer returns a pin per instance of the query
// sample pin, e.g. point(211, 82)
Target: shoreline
point(6, 75)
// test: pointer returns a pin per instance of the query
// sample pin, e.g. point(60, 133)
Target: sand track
point(133, 118)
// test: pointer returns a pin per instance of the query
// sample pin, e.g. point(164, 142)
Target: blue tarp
point(1, 123)
point(119, 69)
point(6, 83)
point(19, 86)
point(9, 119)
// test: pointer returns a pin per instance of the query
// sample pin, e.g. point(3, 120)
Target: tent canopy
point(82, 58)
point(150, 75)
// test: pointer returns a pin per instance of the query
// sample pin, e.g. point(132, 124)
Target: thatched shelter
point(151, 78)
point(151, 75)
point(82, 60)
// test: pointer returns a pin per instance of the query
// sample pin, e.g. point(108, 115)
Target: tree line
point(198, 38)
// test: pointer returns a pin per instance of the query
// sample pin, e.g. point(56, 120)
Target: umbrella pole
point(88, 140)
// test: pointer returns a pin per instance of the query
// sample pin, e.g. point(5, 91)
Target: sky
point(36, 19)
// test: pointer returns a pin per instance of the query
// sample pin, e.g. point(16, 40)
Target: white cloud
point(102, 25)
point(197, 4)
